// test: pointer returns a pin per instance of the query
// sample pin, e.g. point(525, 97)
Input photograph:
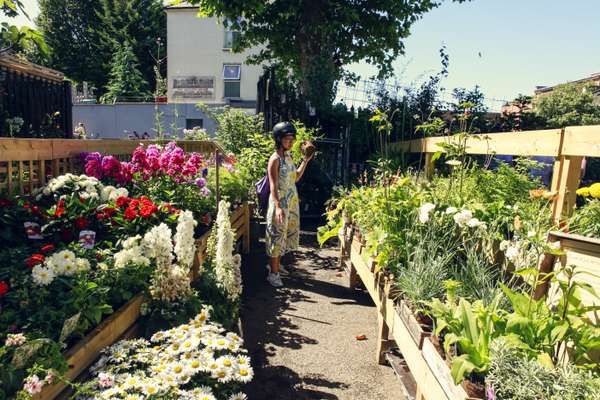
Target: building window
point(231, 89)
point(231, 80)
point(231, 38)
point(191, 123)
point(232, 72)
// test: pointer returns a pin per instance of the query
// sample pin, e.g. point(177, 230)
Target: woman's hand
point(279, 215)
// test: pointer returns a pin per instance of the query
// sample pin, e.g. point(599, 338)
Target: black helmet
point(283, 129)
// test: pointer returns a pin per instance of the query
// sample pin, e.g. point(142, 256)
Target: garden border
point(430, 371)
point(117, 325)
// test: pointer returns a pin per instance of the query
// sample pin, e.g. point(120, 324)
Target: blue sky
point(523, 43)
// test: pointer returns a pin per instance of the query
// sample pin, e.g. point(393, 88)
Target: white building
point(200, 64)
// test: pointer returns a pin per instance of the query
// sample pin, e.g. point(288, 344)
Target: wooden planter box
point(85, 352)
point(414, 327)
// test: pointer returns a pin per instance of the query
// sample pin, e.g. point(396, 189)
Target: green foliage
point(586, 219)
point(340, 33)
point(126, 81)
point(99, 28)
point(514, 377)
point(568, 105)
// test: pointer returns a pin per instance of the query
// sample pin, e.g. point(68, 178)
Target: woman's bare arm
point(302, 168)
point(273, 171)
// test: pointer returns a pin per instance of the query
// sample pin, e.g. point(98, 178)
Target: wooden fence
point(568, 146)
point(27, 164)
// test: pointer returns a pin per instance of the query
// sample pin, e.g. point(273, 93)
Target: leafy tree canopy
point(18, 39)
point(316, 39)
point(569, 104)
point(126, 81)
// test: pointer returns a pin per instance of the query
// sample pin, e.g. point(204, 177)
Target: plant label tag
point(87, 239)
point(33, 230)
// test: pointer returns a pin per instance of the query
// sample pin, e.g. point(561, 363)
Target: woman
point(283, 215)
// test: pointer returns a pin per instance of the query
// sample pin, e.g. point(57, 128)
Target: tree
point(569, 104)
point(126, 80)
point(84, 34)
point(18, 39)
point(316, 39)
point(69, 28)
point(142, 23)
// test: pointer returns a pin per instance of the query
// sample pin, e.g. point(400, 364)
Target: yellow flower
point(595, 190)
point(584, 191)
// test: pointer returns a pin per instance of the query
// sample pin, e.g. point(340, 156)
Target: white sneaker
point(282, 269)
point(274, 280)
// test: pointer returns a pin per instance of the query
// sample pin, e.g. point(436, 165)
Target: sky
point(507, 47)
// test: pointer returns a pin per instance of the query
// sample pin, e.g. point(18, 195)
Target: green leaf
point(461, 367)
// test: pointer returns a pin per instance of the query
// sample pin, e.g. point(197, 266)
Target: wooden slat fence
point(568, 146)
point(27, 164)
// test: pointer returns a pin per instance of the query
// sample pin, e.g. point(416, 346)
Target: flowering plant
point(108, 168)
point(197, 360)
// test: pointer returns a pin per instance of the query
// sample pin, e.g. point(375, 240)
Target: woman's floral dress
point(285, 237)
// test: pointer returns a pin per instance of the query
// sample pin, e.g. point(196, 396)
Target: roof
point(13, 63)
point(592, 78)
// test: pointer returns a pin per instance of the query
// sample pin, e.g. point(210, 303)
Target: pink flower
point(204, 192)
point(50, 377)
point(105, 379)
point(110, 166)
point(93, 168)
point(200, 182)
point(33, 385)
point(15, 340)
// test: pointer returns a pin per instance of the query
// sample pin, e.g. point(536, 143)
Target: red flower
point(148, 210)
point(47, 248)
point(5, 203)
point(109, 211)
point(35, 209)
point(26, 205)
point(81, 199)
point(3, 288)
point(59, 211)
point(81, 223)
point(134, 203)
point(99, 215)
point(122, 201)
point(61, 203)
point(35, 260)
point(130, 214)
point(206, 219)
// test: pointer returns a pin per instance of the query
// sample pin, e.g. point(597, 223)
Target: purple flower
point(110, 166)
point(204, 192)
point(201, 182)
point(205, 172)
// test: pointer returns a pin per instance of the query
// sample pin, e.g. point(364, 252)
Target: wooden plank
point(20, 177)
point(567, 183)
point(365, 274)
point(529, 143)
point(246, 243)
point(31, 176)
point(582, 141)
point(9, 174)
point(81, 356)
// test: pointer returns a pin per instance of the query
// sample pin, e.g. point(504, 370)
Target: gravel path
point(302, 337)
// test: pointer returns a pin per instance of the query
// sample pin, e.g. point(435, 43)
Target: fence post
point(565, 184)
point(429, 166)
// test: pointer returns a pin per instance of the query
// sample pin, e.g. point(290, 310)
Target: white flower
point(82, 264)
point(462, 217)
point(238, 396)
point(15, 340)
point(227, 268)
point(42, 276)
point(530, 234)
point(504, 245)
point(106, 192)
point(511, 253)
point(244, 374)
point(424, 211)
point(105, 379)
point(451, 210)
point(475, 223)
point(33, 385)
point(185, 246)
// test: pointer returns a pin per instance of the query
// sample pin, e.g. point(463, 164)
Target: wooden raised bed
point(83, 354)
point(429, 369)
point(115, 326)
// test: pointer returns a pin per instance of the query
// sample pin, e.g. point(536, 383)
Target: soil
point(302, 337)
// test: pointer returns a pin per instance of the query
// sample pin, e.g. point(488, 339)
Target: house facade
point(201, 66)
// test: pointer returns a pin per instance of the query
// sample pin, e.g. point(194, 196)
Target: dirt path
point(302, 337)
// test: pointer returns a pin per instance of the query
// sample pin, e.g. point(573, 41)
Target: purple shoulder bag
point(263, 190)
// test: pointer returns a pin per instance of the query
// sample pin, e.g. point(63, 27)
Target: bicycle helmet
point(281, 130)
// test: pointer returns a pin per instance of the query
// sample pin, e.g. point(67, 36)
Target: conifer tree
point(126, 81)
